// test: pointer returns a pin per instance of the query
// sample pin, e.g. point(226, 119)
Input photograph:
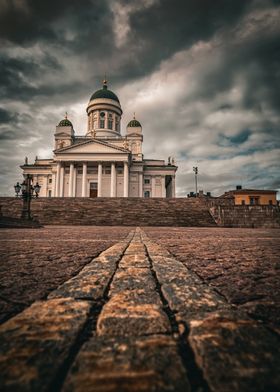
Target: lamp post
point(195, 169)
point(26, 192)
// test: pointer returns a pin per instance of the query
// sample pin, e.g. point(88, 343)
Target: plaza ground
point(150, 309)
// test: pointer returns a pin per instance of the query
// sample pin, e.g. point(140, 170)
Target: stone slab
point(128, 365)
point(131, 279)
point(124, 316)
point(188, 300)
point(35, 343)
point(137, 260)
point(235, 353)
point(89, 284)
point(136, 247)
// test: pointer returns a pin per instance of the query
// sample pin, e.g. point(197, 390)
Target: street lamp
point(27, 193)
point(195, 169)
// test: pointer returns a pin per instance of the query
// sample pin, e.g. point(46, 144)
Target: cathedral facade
point(103, 162)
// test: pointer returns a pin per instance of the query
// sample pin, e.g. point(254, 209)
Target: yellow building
point(252, 196)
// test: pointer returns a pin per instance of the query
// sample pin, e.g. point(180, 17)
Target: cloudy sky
point(203, 77)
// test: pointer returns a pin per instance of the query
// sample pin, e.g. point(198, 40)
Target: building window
point(147, 194)
point(270, 202)
point(243, 202)
point(146, 181)
point(107, 170)
point(119, 170)
point(102, 120)
point(110, 121)
point(50, 193)
point(50, 180)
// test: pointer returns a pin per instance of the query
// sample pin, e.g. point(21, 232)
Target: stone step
point(113, 211)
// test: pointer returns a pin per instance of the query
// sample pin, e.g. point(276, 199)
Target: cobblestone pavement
point(136, 318)
point(34, 262)
point(243, 265)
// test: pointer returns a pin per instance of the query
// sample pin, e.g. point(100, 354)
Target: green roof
point(134, 123)
point(104, 93)
point(65, 123)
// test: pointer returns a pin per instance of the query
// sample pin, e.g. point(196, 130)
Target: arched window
point(110, 121)
point(102, 120)
point(117, 124)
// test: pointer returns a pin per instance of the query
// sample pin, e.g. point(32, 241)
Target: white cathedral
point(103, 163)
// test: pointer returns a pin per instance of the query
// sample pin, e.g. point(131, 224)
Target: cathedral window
point(147, 194)
point(110, 121)
point(146, 181)
point(102, 120)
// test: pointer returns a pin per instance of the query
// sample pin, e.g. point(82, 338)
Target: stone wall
point(246, 216)
point(114, 211)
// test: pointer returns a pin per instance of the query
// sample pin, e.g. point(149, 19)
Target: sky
point(202, 76)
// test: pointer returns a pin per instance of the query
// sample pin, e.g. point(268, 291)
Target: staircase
point(114, 211)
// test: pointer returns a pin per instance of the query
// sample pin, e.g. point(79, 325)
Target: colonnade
point(58, 179)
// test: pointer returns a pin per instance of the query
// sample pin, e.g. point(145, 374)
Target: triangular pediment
point(91, 147)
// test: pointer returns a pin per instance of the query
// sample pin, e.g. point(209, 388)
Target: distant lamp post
point(195, 169)
point(26, 192)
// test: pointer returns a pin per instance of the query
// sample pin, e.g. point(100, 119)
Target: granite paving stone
point(235, 353)
point(36, 261)
point(122, 316)
point(241, 264)
point(131, 364)
point(35, 343)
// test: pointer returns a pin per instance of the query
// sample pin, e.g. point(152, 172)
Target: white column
point(125, 180)
point(45, 185)
point(53, 184)
point(74, 182)
point(140, 180)
point(173, 187)
point(61, 190)
point(58, 166)
point(99, 179)
point(70, 185)
point(163, 189)
point(84, 179)
point(153, 187)
point(113, 179)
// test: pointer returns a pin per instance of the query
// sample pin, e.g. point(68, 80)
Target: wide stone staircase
point(114, 211)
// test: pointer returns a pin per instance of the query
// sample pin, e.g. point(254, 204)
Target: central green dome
point(104, 93)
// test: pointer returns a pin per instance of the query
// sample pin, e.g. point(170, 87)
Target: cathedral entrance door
point(93, 189)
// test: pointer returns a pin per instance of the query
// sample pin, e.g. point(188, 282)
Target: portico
point(111, 179)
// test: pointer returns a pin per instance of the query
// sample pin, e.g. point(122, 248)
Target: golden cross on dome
point(105, 81)
point(133, 115)
point(66, 114)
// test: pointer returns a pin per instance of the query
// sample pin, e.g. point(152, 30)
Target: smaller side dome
point(134, 123)
point(65, 122)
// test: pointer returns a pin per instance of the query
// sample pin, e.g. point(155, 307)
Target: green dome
point(104, 93)
point(134, 123)
point(65, 123)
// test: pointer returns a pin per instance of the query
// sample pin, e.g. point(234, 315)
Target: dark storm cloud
point(169, 26)
point(54, 54)
point(24, 22)
point(5, 116)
